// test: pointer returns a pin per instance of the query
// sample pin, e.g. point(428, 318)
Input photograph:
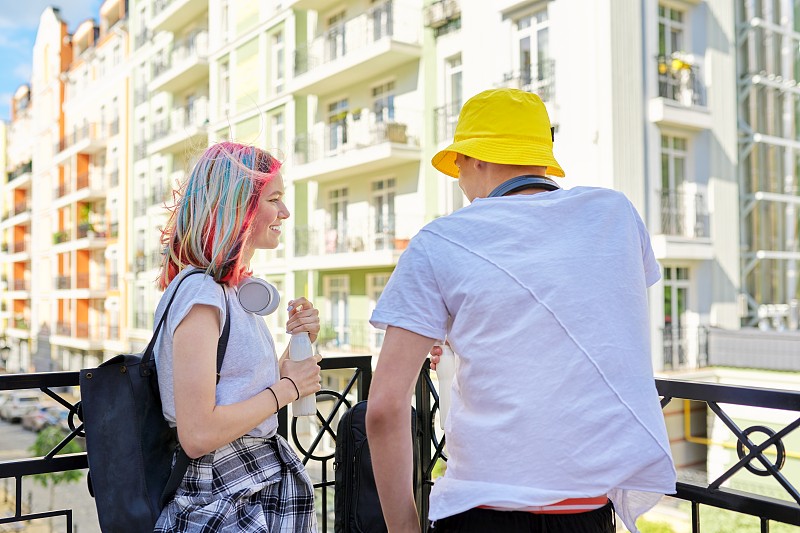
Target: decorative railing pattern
point(354, 374)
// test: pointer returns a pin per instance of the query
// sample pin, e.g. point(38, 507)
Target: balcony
point(440, 12)
point(357, 143)
point(352, 337)
point(681, 97)
point(445, 119)
point(90, 138)
point(310, 5)
point(85, 186)
point(380, 40)
point(538, 79)
point(684, 232)
point(19, 214)
point(86, 236)
point(359, 244)
point(684, 348)
point(172, 15)
point(20, 176)
point(185, 66)
point(701, 495)
point(183, 129)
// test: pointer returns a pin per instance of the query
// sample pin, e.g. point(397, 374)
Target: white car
point(15, 407)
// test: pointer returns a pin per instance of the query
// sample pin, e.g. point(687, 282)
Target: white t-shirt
point(250, 364)
point(554, 395)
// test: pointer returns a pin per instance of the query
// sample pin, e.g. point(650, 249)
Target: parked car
point(38, 419)
point(18, 404)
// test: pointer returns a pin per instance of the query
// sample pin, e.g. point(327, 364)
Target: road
point(14, 444)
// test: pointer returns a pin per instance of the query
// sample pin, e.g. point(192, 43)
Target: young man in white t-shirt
point(541, 292)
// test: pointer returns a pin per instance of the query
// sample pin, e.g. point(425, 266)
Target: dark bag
point(357, 508)
point(129, 444)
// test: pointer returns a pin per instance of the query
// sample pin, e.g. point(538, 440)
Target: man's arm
point(388, 414)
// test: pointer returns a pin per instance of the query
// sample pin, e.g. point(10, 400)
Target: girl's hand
point(305, 374)
point(303, 317)
point(436, 352)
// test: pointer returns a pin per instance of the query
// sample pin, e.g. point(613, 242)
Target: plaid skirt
point(250, 485)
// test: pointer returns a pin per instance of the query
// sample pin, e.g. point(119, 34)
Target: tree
point(46, 440)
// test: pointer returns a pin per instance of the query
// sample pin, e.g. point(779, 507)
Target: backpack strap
point(181, 459)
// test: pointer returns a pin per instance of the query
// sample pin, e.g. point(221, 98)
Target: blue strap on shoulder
point(524, 182)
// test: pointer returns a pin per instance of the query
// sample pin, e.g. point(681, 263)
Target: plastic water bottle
point(299, 350)
point(445, 371)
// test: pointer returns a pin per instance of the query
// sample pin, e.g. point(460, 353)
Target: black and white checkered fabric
point(251, 485)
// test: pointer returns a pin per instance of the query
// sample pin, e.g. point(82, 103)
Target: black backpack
point(357, 508)
point(129, 444)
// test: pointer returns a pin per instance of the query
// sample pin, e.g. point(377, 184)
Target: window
point(224, 88)
point(337, 289)
point(676, 288)
point(336, 234)
point(454, 94)
point(278, 62)
point(670, 31)
point(382, 214)
point(335, 37)
point(278, 132)
point(380, 16)
point(673, 176)
point(225, 16)
point(533, 53)
point(375, 285)
point(337, 124)
point(383, 102)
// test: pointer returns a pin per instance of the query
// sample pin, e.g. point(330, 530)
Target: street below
point(15, 442)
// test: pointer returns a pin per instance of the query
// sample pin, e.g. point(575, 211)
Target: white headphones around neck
point(257, 296)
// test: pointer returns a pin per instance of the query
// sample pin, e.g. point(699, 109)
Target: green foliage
point(714, 520)
point(46, 440)
point(646, 526)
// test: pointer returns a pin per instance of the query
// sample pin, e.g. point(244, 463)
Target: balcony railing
point(21, 207)
point(354, 336)
point(384, 21)
point(19, 171)
point(538, 78)
point(355, 236)
point(685, 348)
point(192, 47)
point(353, 131)
point(315, 444)
point(18, 247)
point(62, 282)
point(63, 329)
point(684, 215)
point(21, 285)
point(445, 119)
point(680, 80)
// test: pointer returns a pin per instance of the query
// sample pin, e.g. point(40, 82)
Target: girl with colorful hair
point(242, 476)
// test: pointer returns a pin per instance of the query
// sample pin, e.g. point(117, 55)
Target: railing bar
point(57, 398)
point(39, 465)
point(38, 380)
point(18, 502)
point(37, 516)
point(665, 400)
point(64, 442)
point(731, 394)
point(764, 525)
point(695, 517)
point(741, 502)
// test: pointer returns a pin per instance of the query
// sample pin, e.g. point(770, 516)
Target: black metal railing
point(538, 78)
point(684, 214)
point(346, 380)
point(445, 119)
point(685, 348)
point(680, 81)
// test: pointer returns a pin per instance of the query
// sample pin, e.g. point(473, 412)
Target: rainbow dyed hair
point(214, 211)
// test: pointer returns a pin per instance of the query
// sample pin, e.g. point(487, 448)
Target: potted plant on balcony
point(85, 226)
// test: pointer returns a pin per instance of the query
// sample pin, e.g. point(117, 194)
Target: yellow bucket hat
point(505, 126)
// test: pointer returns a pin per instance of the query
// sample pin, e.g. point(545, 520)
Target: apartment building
point(89, 192)
point(169, 126)
point(355, 97)
point(15, 228)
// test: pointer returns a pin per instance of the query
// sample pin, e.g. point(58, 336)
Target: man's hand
point(388, 427)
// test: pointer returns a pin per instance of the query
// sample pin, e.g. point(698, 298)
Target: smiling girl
point(242, 476)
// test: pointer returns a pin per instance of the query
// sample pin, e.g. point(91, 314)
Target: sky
point(19, 20)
